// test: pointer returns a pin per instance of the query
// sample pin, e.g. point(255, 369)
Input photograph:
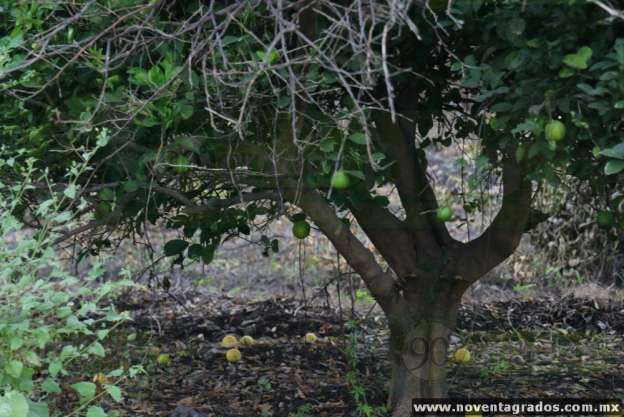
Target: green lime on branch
point(180, 163)
point(605, 219)
point(444, 214)
point(554, 131)
point(301, 229)
point(340, 180)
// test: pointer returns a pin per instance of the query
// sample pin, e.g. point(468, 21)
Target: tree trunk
point(419, 339)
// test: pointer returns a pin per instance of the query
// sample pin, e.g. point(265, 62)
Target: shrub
point(50, 320)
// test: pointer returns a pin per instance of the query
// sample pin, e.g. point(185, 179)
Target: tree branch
point(362, 260)
point(416, 193)
point(395, 140)
point(217, 203)
point(475, 258)
point(389, 235)
point(615, 13)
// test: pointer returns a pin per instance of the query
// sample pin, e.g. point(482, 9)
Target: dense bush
point(51, 322)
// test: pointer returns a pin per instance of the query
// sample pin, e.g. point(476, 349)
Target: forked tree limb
point(414, 188)
point(392, 139)
point(474, 259)
point(389, 235)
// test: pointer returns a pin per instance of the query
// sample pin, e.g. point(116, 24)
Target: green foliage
point(50, 320)
point(353, 378)
point(181, 123)
point(527, 73)
point(193, 122)
point(304, 411)
point(264, 384)
point(215, 122)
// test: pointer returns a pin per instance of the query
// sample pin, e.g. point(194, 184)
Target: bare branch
point(615, 13)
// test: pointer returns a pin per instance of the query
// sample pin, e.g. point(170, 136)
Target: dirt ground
point(567, 347)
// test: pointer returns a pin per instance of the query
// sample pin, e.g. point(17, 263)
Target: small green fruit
point(229, 341)
point(181, 163)
point(247, 340)
point(340, 180)
point(301, 229)
point(233, 355)
point(310, 338)
point(605, 219)
point(444, 214)
point(163, 359)
point(461, 355)
point(554, 131)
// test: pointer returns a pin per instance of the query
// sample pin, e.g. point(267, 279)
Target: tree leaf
point(96, 412)
point(194, 251)
point(516, 26)
point(130, 186)
point(616, 151)
point(18, 404)
point(54, 368)
point(70, 191)
point(38, 409)
point(32, 358)
point(86, 390)
point(356, 174)
point(175, 247)
point(614, 167)
point(114, 391)
point(566, 72)
point(275, 245)
point(501, 107)
point(575, 61)
point(273, 56)
point(14, 368)
point(619, 50)
point(514, 60)
point(585, 52)
point(51, 386)
point(207, 254)
point(97, 349)
point(327, 146)
point(15, 343)
point(358, 137)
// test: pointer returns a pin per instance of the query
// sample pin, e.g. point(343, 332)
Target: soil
point(569, 347)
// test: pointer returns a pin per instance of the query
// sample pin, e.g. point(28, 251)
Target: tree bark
point(419, 339)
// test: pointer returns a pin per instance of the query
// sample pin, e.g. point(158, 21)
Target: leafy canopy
point(203, 106)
